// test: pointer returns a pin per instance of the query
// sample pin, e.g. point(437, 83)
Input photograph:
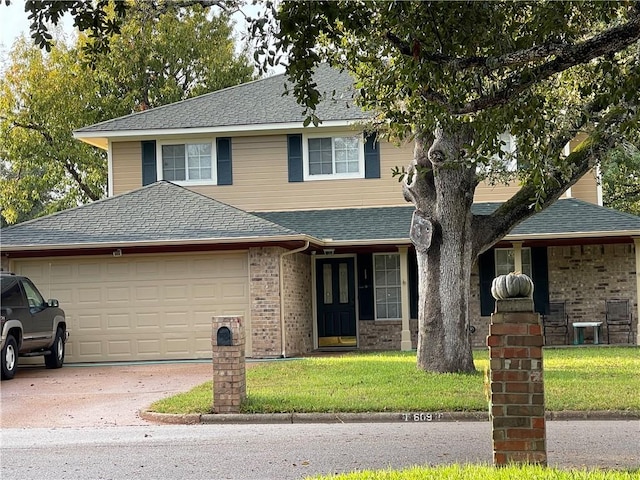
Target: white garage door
point(143, 307)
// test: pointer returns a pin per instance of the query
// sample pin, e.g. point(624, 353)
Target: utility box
point(229, 369)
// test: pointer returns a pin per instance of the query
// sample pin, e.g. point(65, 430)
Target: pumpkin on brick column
point(513, 285)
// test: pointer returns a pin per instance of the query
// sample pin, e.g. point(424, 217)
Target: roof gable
point(254, 103)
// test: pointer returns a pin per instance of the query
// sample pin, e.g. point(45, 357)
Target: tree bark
point(443, 198)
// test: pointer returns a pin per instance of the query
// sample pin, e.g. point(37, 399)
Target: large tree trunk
point(442, 232)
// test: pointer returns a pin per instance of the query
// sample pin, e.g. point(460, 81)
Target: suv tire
point(9, 358)
point(55, 359)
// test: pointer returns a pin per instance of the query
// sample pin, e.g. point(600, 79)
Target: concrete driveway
point(94, 395)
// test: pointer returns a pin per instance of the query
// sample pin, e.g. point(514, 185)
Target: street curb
point(373, 417)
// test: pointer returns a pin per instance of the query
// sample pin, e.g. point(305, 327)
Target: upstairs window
point(187, 162)
point(508, 159)
point(333, 157)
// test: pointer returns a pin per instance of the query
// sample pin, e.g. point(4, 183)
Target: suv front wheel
point(9, 358)
point(56, 357)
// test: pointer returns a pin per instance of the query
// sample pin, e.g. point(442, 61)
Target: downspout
point(282, 330)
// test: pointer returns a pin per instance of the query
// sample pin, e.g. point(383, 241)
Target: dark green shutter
point(371, 157)
point(223, 157)
point(413, 284)
point(149, 169)
point(365, 286)
point(487, 272)
point(540, 277)
point(294, 154)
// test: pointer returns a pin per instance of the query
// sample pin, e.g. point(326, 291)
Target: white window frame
point(189, 141)
point(332, 176)
point(398, 286)
point(513, 249)
point(508, 146)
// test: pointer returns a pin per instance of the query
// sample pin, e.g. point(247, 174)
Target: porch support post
point(517, 256)
point(636, 241)
point(405, 339)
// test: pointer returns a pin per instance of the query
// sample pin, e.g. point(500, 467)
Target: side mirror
point(52, 302)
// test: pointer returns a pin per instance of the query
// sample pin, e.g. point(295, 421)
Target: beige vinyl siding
point(126, 158)
point(261, 180)
point(586, 188)
point(495, 193)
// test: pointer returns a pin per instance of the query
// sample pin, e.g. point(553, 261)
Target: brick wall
point(298, 317)
point(264, 287)
point(585, 276)
point(384, 334)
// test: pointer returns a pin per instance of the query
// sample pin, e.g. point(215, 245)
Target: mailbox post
point(229, 370)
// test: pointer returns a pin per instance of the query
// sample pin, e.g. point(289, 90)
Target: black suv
point(30, 326)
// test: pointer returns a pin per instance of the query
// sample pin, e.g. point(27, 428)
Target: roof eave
point(100, 139)
point(572, 235)
point(161, 243)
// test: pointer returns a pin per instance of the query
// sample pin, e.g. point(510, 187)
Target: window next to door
point(506, 261)
point(501, 261)
point(387, 286)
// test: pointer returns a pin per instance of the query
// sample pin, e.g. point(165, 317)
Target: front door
point(335, 289)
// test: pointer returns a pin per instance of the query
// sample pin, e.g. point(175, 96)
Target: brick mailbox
point(517, 389)
point(229, 370)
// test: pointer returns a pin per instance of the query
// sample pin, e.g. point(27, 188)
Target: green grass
point(483, 472)
point(575, 379)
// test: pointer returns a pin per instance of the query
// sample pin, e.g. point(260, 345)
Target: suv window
point(33, 296)
point(11, 293)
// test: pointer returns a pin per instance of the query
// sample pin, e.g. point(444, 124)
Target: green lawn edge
point(576, 379)
point(484, 472)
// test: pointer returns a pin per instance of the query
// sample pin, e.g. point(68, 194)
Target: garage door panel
point(91, 324)
point(234, 290)
point(119, 348)
point(148, 320)
point(88, 296)
point(115, 322)
point(89, 271)
point(117, 295)
point(143, 307)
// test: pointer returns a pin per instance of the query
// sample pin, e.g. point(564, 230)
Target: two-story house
point(226, 204)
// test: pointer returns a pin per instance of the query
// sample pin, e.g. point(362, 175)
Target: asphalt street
point(290, 451)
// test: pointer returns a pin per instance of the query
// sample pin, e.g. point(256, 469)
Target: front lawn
point(479, 472)
point(586, 379)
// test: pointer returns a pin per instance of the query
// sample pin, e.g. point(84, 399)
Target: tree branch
point(512, 59)
point(610, 41)
point(491, 228)
point(68, 166)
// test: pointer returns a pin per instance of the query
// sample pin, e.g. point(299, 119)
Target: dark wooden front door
point(335, 283)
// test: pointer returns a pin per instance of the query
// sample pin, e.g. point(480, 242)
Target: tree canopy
point(157, 58)
point(454, 78)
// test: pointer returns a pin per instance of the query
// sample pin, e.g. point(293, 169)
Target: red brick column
point(517, 387)
point(229, 369)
